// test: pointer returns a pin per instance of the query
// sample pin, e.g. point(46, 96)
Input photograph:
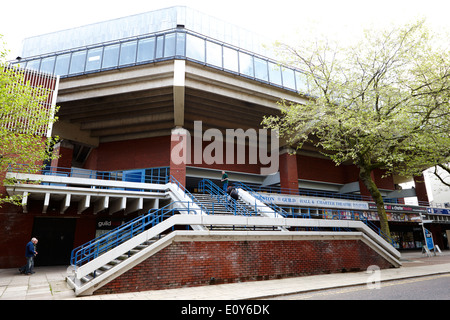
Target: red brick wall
point(130, 154)
point(288, 173)
point(221, 162)
point(186, 264)
point(421, 189)
point(317, 169)
point(16, 230)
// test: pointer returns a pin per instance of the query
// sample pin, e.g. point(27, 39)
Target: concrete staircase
point(219, 205)
point(200, 215)
point(115, 262)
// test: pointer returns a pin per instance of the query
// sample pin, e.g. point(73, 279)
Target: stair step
point(228, 227)
point(119, 260)
point(215, 206)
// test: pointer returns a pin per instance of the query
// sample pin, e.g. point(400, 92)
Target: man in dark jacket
point(30, 253)
point(232, 191)
point(224, 181)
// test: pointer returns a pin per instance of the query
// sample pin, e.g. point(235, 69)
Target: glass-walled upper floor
point(177, 43)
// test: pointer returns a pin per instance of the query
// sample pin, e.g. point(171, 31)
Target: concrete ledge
point(192, 258)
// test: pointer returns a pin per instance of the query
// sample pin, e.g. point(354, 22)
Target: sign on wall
point(438, 211)
point(315, 202)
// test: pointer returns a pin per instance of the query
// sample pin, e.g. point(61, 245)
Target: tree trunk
point(364, 175)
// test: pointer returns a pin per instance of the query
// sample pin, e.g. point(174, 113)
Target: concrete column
point(421, 190)
point(288, 171)
point(179, 154)
point(179, 91)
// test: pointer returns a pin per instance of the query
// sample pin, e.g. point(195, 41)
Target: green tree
point(25, 117)
point(382, 103)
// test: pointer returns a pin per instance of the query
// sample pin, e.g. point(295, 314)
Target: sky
point(276, 19)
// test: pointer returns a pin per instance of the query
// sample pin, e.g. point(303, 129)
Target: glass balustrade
point(173, 44)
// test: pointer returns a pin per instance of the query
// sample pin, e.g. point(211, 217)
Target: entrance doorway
point(56, 236)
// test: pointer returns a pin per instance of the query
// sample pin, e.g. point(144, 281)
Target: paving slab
point(48, 283)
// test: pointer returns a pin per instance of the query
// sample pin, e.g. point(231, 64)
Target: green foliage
point(24, 119)
point(382, 103)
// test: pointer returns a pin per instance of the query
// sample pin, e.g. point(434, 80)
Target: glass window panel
point(195, 48)
point(128, 52)
point(214, 54)
point(302, 82)
point(47, 64)
point(230, 59)
point(33, 64)
point(261, 69)
point(62, 64)
point(275, 74)
point(94, 59)
point(169, 45)
point(77, 62)
point(288, 78)
point(246, 64)
point(159, 46)
point(146, 49)
point(181, 44)
point(110, 56)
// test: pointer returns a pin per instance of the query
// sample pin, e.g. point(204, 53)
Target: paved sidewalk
point(48, 283)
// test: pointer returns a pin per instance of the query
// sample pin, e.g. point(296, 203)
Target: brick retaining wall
point(196, 263)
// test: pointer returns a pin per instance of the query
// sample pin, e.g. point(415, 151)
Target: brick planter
point(197, 263)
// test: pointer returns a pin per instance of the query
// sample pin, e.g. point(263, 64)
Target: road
point(436, 287)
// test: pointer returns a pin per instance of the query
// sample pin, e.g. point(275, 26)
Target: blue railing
point(98, 246)
point(256, 195)
point(318, 193)
point(186, 191)
point(222, 197)
point(94, 248)
point(330, 214)
point(336, 214)
point(158, 175)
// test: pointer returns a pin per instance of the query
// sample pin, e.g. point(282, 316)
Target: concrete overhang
point(60, 193)
point(149, 100)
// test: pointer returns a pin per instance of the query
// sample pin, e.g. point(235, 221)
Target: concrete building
point(175, 93)
point(439, 193)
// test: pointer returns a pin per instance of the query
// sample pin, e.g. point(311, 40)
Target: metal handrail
point(326, 194)
point(280, 210)
point(223, 198)
point(117, 175)
point(98, 246)
point(190, 195)
point(257, 196)
point(94, 248)
point(355, 216)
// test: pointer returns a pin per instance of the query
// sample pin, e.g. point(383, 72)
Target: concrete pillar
point(421, 190)
point(179, 91)
point(179, 154)
point(288, 171)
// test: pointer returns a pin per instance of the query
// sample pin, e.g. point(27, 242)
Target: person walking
point(224, 181)
point(30, 253)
